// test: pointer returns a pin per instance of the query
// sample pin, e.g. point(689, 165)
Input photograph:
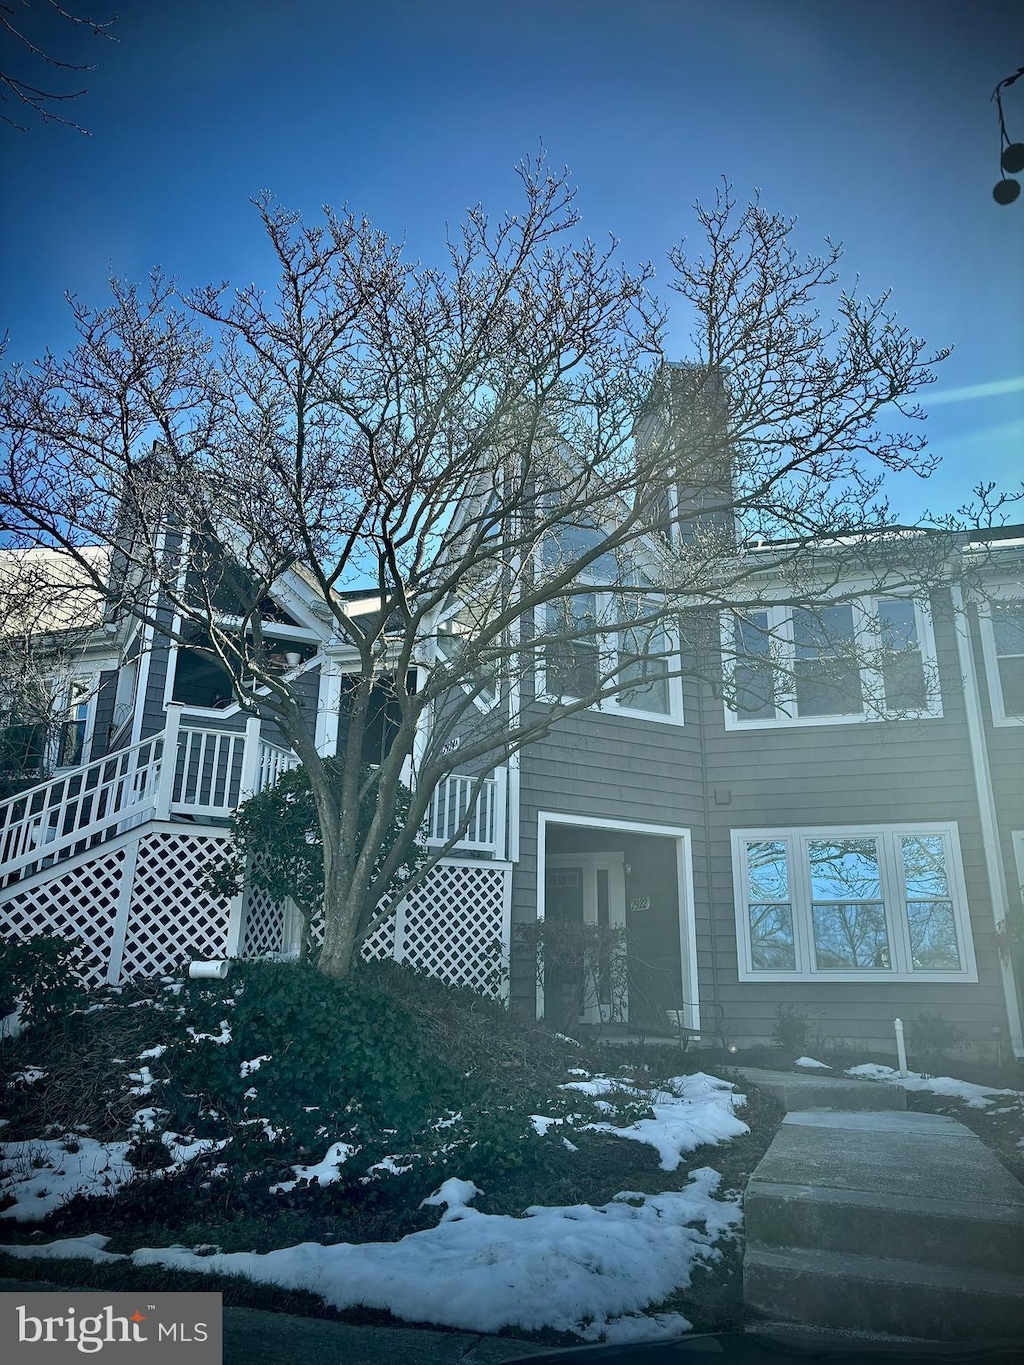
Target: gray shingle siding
point(712, 781)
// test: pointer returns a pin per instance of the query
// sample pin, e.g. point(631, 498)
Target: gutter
point(996, 873)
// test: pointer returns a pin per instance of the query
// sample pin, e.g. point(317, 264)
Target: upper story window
point(643, 655)
point(72, 724)
point(852, 904)
point(1002, 636)
point(871, 658)
point(479, 681)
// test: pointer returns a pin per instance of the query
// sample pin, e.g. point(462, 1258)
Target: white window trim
point(1006, 593)
point(864, 608)
point(478, 699)
point(607, 659)
point(682, 837)
point(90, 676)
point(892, 880)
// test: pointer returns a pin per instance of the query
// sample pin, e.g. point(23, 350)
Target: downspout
point(705, 788)
point(991, 845)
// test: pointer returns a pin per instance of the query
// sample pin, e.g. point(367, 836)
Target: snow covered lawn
point(582, 1269)
point(974, 1096)
point(508, 1251)
point(585, 1269)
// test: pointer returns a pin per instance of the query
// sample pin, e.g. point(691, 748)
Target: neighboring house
point(52, 651)
point(850, 844)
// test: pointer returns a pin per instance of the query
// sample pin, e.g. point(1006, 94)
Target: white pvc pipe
point(208, 971)
point(901, 1050)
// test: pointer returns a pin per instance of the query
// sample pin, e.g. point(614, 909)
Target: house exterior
point(856, 855)
point(850, 861)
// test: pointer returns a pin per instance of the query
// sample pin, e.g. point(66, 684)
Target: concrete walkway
point(881, 1219)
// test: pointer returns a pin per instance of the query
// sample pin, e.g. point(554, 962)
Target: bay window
point(852, 904)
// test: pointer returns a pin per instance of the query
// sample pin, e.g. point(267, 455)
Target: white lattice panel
point(381, 943)
point(80, 903)
point(264, 925)
point(315, 932)
point(173, 918)
point(453, 925)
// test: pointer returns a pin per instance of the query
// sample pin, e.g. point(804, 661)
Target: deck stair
point(882, 1220)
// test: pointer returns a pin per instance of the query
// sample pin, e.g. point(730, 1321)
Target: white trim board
point(684, 891)
point(793, 837)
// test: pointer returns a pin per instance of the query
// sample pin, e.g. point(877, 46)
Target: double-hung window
point(479, 681)
point(644, 653)
point(69, 745)
point(869, 658)
point(852, 904)
point(572, 654)
point(578, 656)
point(1002, 633)
point(605, 634)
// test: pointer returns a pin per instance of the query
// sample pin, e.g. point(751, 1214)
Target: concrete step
point(920, 1187)
point(869, 1294)
point(798, 1092)
point(929, 1231)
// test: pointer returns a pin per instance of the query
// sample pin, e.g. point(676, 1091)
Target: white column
point(328, 706)
point(986, 806)
point(124, 906)
point(250, 779)
point(168, 762)
point(501, 813)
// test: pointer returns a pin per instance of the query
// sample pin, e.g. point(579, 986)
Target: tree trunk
point(341, 910)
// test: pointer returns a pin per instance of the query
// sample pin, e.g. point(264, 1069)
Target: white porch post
point(236, 920)
point(328, 707)
point(168, 762)
point(500, 812)
point(124, 906)
point(249, 784)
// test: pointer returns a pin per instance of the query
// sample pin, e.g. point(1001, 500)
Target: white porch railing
point(485, 832)
point(70, 813)
point(273, 763)
point(211, 772)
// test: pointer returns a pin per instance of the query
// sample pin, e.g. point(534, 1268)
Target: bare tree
point(34, 96)
point(493, 453)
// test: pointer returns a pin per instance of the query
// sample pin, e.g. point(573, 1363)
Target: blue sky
point(870, 122)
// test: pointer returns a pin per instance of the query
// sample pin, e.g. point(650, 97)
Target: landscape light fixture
point(1011, 154)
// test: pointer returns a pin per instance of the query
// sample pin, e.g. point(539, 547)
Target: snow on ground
point(974, 1096)
point(29, 1076)
point(88, 1248)
point(688, 1111)
point(42, 1175)
point(223, 1037)
point(811, 1064)
point(583, 1269)
point(323, 1173)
